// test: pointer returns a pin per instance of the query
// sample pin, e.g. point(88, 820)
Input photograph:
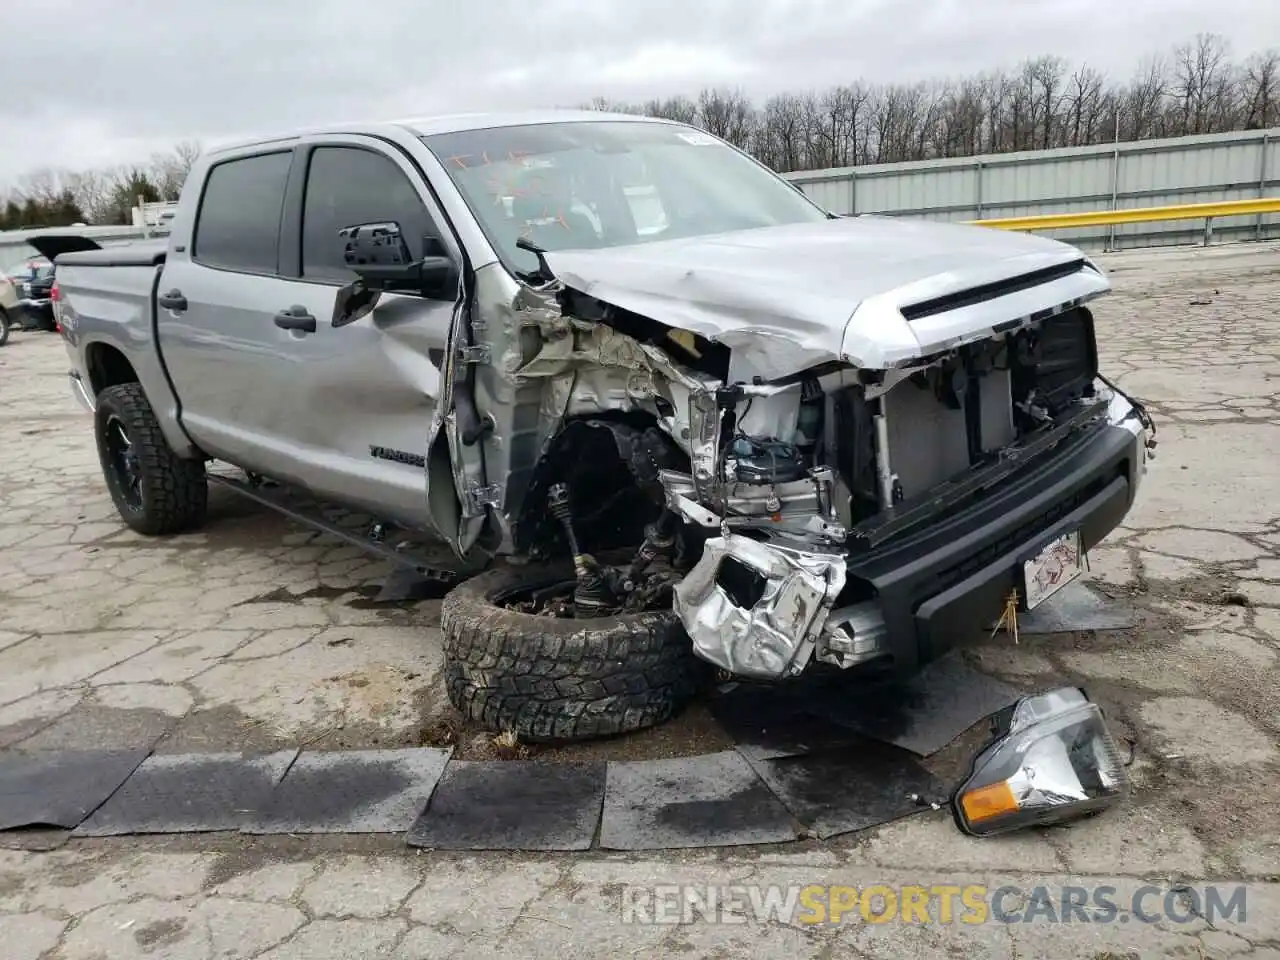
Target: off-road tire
point(550, 679)
point(174, 492)
point(4, 326)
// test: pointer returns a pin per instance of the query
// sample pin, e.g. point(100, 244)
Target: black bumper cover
point(947, 584)
point(35, 314)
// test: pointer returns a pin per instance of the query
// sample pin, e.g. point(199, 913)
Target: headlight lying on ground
point(1053, 760)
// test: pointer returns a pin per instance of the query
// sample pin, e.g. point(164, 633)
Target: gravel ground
point(256, 634)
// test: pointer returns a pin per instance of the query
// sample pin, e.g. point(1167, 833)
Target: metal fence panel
point(1230, 166)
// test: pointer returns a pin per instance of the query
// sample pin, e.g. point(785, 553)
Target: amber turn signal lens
point(987, 802)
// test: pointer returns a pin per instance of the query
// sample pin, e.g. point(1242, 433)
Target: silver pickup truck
point(667, 412)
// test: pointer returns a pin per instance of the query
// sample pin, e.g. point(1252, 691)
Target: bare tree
point(92, 190)
point(1260, 87)
point(1082, 101)
point(1203, 83)
point(168, 171)
point(784, 135)
point(1145, 102)
point(680, 109)
point(41, 186)
point(728, 114)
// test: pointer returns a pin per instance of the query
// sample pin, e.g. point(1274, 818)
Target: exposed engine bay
point(745, 503)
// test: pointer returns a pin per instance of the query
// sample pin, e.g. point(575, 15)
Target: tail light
point(55, 296)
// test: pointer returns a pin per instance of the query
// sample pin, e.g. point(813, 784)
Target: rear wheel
point(155, 491)
point(554, 678)
point(4, 327)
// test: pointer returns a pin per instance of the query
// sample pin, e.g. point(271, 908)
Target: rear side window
point(238, 227)
point(348, 186)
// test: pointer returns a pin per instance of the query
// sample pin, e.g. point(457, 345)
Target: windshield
point(589, 184)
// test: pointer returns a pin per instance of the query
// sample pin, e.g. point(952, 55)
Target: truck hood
point(875, 292)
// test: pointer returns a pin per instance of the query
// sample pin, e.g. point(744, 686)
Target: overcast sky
point(86, 83)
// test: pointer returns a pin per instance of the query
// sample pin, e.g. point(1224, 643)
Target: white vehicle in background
point(8, 307)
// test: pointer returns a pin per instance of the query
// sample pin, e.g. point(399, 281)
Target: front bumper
point(947, 585)
point(918, 595)
point(35, 313)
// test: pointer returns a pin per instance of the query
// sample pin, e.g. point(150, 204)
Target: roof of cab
point(451, 123)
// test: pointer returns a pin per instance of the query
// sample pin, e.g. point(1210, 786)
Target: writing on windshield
point(590, 184)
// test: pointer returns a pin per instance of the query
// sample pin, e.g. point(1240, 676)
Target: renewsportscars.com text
point(816, 904)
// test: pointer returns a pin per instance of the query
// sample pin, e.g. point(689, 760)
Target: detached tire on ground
point(555, 679)
point(156, 491)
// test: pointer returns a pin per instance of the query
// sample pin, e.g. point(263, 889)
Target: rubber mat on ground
point(189, 793)
point(514, 805)
point(708, 801)
point(365, 791)
point(60, 789)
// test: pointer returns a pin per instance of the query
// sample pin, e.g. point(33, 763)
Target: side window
point(238, 226)
point(347, 186)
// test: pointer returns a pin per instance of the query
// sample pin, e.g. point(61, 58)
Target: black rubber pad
point(366, 791)
point(851, 789)
point(514, 805)
point(822, 713)
point(708, 801)
point(60, 789)
point(921, 714)
point(776, 720)
point(189, 793)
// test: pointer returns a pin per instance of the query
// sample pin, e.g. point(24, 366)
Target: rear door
point(216, 301)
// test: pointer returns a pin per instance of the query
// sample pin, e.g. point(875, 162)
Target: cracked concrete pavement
point(255, 634)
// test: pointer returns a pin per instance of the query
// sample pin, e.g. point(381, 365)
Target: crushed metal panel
point(60, 789)
point(710, 801)
point(512, 805)
point(189, 793)
point(773, 636)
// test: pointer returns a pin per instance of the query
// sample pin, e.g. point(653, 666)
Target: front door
point(356, 403)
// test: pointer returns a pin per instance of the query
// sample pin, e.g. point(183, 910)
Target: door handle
point(173, 300)
point(296, 318)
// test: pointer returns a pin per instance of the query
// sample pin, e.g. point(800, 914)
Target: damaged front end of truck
point(761, 461)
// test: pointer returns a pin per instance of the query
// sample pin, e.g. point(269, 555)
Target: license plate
point(1060, 562)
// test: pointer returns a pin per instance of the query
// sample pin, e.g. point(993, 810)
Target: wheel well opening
point(108, 367)
point(611, 465)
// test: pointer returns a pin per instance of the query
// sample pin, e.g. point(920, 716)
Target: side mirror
point(379, 255)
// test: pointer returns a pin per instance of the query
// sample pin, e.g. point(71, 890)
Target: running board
point(412, 572)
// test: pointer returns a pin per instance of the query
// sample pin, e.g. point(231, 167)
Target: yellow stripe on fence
point(1105, 218)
